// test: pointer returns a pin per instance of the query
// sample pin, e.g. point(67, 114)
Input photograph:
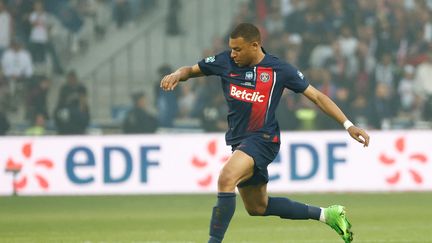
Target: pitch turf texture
point(398, 217)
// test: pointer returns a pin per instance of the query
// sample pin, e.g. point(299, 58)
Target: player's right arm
point(170, 81)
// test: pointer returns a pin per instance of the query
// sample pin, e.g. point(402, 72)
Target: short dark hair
point(247, 31)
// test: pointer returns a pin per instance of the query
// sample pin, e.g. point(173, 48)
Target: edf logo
point(294, 160)
point(83, 157)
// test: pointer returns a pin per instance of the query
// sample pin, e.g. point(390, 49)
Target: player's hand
point(170, 81)
point(359, 134)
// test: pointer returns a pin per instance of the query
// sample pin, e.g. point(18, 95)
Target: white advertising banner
point(190, 163)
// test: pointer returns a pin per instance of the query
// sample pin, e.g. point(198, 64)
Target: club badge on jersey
point(264, 77)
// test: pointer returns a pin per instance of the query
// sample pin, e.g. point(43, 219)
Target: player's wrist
point(178, 75)
point(347, 124)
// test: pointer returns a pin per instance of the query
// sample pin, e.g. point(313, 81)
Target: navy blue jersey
point(253, 93)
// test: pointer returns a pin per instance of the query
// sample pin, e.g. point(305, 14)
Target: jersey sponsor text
point(247, 95)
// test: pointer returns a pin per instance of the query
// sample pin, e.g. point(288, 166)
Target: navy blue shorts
point(263, 151)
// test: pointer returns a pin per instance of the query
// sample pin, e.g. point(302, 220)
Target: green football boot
point(335, 218)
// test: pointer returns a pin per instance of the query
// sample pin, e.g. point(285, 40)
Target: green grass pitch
point(393, 217)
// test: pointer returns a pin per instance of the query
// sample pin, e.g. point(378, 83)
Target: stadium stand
point(373, 57)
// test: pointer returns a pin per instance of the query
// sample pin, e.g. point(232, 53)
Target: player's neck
point(259, 57)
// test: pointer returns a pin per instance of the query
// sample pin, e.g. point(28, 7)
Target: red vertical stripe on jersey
point(259, 109)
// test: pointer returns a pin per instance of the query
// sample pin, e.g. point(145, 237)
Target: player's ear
point(255, 45)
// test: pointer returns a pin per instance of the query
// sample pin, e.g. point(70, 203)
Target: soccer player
point(253, 82)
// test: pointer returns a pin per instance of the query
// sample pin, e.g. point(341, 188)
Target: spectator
point(138, 119)
point(400, 45)
point(385, 72)
point(424, 17)
point(364, 65)
point(73, 22)
point(307, 115)
point(347, 41)
point(38, 127)
point(71, 90)
point(101, 16)
point(423, 86)
point(37, 98)
point(17, 68)
point(274, 23)
point(292, 56)
point(186, 101)
point(20, 11)
point(341, 98)
point(326, 86)
point(383, 107)
point(365, 13)
point(407, 96)
point(366, 35)
point(417, 49)
point(285, 112)
point(121, 12)
point(5, 27)
point(337, 16)
point(362, 111)
point(39, 33)
point(72, 114)
point(204, 88)
point(17, 62)
point(213, 116)
point(40, 43)
point(313, 31)
point(166, 102)
point(338, 65)
point(294, 20)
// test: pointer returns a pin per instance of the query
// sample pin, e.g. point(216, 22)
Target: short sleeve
point(294, 79)
point(214, 65)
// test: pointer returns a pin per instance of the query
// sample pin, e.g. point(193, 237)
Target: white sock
point(322, 216)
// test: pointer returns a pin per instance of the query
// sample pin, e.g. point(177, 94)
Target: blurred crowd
point(37, 39)
point(373, 58)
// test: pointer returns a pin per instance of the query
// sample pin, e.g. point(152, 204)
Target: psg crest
point(264, 77)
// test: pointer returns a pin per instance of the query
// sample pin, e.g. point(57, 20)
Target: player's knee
point(226, 180)
point(257, 210)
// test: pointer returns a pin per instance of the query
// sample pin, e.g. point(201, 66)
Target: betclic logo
point(247, 95)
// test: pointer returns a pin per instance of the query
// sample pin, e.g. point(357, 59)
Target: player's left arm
point(331, 109)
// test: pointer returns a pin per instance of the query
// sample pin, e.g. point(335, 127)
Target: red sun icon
point(204, 164)
point(21, 181)
point(391, 162)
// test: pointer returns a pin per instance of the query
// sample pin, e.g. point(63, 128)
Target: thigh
point(263, 153)
point(239, 167)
